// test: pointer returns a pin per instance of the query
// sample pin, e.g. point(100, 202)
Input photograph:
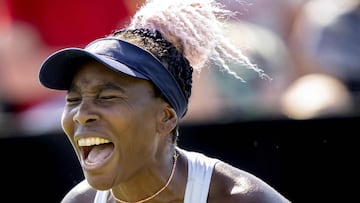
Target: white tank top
point(200, 168)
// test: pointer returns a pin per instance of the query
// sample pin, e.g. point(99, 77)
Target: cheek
point(67, 123)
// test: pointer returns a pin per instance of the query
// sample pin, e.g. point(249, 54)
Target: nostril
point(90, 120)
point(84, 119)
point(85, 112)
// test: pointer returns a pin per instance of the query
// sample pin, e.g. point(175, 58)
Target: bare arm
point(230, 184)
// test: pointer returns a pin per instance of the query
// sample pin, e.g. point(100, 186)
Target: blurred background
point(302, 123)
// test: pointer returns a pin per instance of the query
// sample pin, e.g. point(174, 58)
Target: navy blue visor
point(58, 69)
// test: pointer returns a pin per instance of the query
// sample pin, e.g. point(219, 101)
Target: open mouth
point(95, 150)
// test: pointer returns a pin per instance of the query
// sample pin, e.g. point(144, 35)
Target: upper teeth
point(92, 141)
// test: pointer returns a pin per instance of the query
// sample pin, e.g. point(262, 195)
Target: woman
point(126, 94)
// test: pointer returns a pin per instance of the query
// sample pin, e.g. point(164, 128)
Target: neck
point(145, 199)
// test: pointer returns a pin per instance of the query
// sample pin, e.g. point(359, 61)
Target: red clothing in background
point(65, 23)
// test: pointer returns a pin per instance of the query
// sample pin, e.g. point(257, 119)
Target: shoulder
point(231, 184)
point(82, 192)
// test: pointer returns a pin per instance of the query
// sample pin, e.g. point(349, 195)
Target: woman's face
point(111, 121)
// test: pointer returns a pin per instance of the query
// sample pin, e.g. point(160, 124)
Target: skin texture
point(124, 110)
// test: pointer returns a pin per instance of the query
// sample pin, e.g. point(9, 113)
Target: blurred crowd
point(32, 30)
point(309, 48)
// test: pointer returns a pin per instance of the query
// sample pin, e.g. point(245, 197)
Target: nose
point(85, 113)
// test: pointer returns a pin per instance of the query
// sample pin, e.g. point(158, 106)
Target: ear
point(167, 119)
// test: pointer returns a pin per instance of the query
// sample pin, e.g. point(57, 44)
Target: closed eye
point(108, 97)
point(72, 100)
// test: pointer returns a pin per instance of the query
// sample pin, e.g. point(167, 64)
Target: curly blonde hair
point(196, 29)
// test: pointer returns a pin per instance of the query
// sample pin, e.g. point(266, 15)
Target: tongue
point(100, 152)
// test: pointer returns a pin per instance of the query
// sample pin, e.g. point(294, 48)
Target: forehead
point(94, 73)
point(93, 70)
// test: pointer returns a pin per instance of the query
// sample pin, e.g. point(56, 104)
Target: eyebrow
point(107, 85)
